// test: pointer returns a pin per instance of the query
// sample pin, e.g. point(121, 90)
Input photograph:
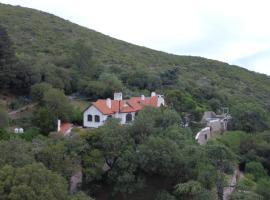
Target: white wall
point(92, 110)
point(122, 117)
point(215, 125)
point(203, 136)
point(160, 101)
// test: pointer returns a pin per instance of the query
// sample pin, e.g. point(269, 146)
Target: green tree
point(83, 57)
point(159, 155)
point(188, 190)
point(244, 196)
point(3, 118)
point(57, 156)
point(256, 169)
point(30, 182)
point(16, 152)
point(93, 162)
point(263, 188)
point(249, 117)
point(80, 196)
point(222, 159)
point(111, 84)
point(45, 120)
point(7, 60)
point(57, 103)
point(38, 90)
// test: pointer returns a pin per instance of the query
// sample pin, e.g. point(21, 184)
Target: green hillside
point(74, 58)
point(44, 58)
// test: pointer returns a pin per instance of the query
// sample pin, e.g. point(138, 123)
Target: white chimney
point(58, 125)
point(142, 97)
point(109, 102)
point(153, 94)
point(160, 101)
point(118, 96)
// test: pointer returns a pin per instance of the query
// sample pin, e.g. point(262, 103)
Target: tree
point(249, 117)
point(113, 139)
point(222, 159)
point(111, 84)
point(153, 121)
point(256, 169)
point(83, 57)
point(30, 182)
point(7, 60)
point(244, 196)
point(164, 195)
point(45, 120)
point(189, 190)
point(57, 103)
point(57, 156)
point(159, 155)
point(80, 196)
point(16, 152)
point(38, 90)
point(3, 118)
point(263, 188)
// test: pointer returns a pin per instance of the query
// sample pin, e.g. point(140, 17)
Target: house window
point(97, 118)
point(90, 118)
point(128, 117)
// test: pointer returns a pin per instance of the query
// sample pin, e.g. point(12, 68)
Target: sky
point(233, 31)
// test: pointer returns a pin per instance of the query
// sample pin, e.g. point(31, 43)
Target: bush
point(256, 169)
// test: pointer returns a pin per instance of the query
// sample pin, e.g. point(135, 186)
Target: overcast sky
point(233, 31)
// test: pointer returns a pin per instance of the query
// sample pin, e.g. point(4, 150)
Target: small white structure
point(124, 110)
point(217, 123)
point(203, 136)
point(64, 128)
point(18, 130)
point(214, 124)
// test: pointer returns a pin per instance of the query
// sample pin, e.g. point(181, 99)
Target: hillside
point(46, 45)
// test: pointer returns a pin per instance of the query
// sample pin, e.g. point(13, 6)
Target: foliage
point(32, 181)
point(45, 120)
point(250, 117)
point(57, 156)
point(256, 169)
point(36, 49)
point(3, 118)
point(242, 195)
point(263, 188)
point(16, 152)
point(38, 90)
point(163, 195)
point(80, 196)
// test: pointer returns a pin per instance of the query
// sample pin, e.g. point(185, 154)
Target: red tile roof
point(133, 104)
point(65, 127)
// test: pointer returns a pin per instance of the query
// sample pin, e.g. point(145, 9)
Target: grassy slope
point(39, 35)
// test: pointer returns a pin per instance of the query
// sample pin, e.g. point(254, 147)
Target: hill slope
point(47, 45)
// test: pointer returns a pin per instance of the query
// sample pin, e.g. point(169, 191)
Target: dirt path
point(15, 113)
point(238, 175)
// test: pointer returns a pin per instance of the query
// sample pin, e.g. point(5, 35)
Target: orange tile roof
point(65, 127)
point(133, 104)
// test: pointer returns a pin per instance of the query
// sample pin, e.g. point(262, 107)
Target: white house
point(124, 110)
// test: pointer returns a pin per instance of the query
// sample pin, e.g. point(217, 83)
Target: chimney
point(142, 97)
point(118, 96)
point(109, 102)
point(153, 94)
point(58, 125)
point(160, 101)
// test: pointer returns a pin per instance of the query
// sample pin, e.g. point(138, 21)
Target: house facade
point(122, 109)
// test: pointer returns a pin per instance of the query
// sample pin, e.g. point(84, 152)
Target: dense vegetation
point(44, 58)
point(37, 46)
